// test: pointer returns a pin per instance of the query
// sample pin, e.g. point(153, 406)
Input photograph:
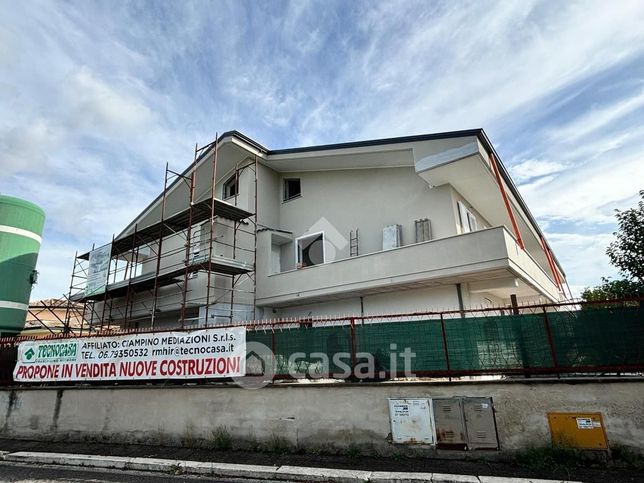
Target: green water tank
point(21, 224)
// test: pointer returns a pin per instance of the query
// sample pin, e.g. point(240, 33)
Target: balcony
point(489, 258)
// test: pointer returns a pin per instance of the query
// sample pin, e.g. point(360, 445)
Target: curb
point(288, 473)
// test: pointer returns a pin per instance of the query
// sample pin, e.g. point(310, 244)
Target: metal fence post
point(445, 349)
point(352, 321)
point(553, 352)
point(273, 347)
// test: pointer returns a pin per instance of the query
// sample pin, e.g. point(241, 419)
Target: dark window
point(292, 188)
point(310, 250)
point(231, 187)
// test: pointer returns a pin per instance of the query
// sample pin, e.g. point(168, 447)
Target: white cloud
point(27, 147)
point(533, 168)
point(95, 99)
point(583, 257)
point(600, 144)
point(587, 193)
point(55, 264)
point(597, 118)
point(450, 73)
point(96, 106)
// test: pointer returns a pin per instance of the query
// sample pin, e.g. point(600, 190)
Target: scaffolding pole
point(160, 245)
point(125, 285)
point(212, 226)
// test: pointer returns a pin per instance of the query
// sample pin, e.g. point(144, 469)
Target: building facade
point(429, 222)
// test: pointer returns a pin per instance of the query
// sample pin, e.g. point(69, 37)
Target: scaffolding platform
point(177, 222)
point(146, 281)
point(193, 251)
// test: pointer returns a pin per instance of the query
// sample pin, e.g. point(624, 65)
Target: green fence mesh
point(599, 337)
point(508, 342)
point(494, 343)
point(310, 351)
point(588, 340)
point(387, 342)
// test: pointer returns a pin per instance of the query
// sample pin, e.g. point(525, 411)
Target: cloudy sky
point(96, 96)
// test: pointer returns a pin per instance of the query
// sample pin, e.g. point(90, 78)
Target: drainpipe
point(515, 304)
point(459, 293)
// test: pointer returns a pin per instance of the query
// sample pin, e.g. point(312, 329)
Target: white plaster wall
point(421, 299)
point(367, 199)
point(307, 415)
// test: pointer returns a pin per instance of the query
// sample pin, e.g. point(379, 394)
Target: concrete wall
point(368, 199)
point(480, 220)
point(269, 191)
point(407, 300)
point(436, 261)
point(307, 415)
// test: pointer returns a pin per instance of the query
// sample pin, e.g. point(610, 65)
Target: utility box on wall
point(412, 421)
point(391, 237)
point(465, 423)
point(461, 423)
point(480, 423)
point(578, 430)
point(450, 423)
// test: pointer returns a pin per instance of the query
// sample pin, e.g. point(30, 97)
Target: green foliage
point(624, 456)
point(278, 445)
point(627, 251)
point(189, 439)
point(557, 458)
point(324, 449)
point(353, 451)
point(552, 458)
point(613, 289)
point(176, 470)
point(220, 439)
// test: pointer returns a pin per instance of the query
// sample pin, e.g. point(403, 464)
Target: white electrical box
point(391, 237)
point(412, 421)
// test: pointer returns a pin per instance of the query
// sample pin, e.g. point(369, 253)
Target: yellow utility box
point(578, 430)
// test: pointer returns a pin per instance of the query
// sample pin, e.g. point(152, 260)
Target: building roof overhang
point(376, 153)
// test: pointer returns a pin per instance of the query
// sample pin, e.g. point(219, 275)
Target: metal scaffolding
point(177, 251)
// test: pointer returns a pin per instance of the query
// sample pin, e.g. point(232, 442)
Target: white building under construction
point(390, 225)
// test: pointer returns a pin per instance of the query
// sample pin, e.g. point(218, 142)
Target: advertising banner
point(98, 271)
point(207, 353)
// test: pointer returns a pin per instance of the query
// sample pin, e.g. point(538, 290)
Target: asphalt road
point(19, 472)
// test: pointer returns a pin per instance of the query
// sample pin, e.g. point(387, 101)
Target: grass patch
point(278, 445)
point(624, 456)
point(353, 451)
point(220, 439)
point(552, 458)
point(323, 450)
point(189, 439)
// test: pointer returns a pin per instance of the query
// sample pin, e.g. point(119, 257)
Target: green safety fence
point(542, 341)
point(601, 339)
point(611, 336)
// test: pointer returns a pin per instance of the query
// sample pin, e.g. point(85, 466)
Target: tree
point(627, 254)
point(613, 289)
point(627, 251)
